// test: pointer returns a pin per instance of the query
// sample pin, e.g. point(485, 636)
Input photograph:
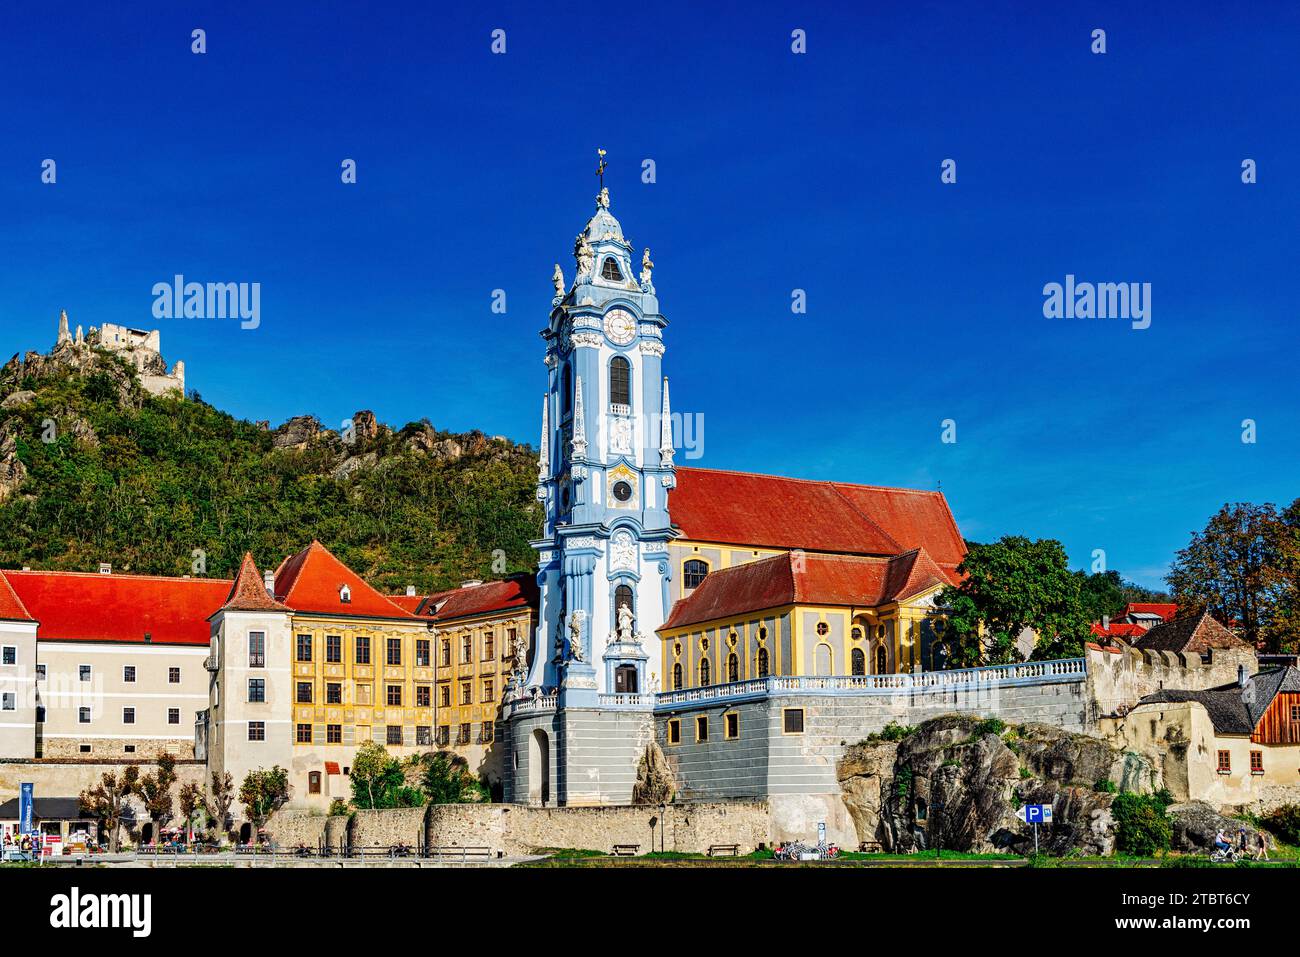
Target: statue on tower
point(557, 277)
point(625, 623)
point(576, 620)
point(584, 256)
point(647, 268)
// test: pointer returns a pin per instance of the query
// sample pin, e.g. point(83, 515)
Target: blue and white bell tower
point(604, 472)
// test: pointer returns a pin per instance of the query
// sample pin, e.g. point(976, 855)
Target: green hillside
point(143, 482)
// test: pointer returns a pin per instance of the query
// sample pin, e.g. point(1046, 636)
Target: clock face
point(620, 327)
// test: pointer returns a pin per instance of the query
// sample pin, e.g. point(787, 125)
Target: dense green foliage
point(1142, 824)
point(1244, 567)
point(171, 486)
point(447, 779)
point(264, 792)
point(379, 780)
point(1284, 823)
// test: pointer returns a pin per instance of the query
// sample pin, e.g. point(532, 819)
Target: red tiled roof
point(85, 606)
point(800, 577)
point(517, 591)
point(11, 607)
point(1166, 610)
point(1121, 629)
point(249, 591)
point(310, 581)
point(332, 767)
point(742, 508)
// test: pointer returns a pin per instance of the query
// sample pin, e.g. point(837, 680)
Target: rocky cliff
point(956, 782)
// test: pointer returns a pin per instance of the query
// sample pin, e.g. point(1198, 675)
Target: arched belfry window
point(620, 381)
point(694, 572)
point(611, 271)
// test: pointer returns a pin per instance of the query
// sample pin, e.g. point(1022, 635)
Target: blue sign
point(25, 825)
point(1038, 813)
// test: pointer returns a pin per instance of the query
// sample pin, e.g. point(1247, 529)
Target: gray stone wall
point(601, 752)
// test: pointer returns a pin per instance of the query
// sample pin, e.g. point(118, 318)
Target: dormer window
point(611, 271)
point(345, 594)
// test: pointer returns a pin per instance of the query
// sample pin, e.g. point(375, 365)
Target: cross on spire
point(600, 166)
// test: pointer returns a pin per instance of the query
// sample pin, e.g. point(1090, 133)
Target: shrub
point(1106, 786)
point(1284, 823)
point(1141, 825)
point(1025, 773)
point(989, 726)
point(891, 732)
point(338, 808)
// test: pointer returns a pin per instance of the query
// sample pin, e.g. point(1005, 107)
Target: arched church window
point(704, 672)
point(693, 573)
point(620, 381)
point(611, 271)
point(859, 662)
point(677, 676)
point(882, 660)
point(762, 662)
point(733, 668)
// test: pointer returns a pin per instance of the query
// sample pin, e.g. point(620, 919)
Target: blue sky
point(774, 172)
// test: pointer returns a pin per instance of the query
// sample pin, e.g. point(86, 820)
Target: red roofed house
point(309, 663)
point(788, 576)
point(115, 666)
point(17, 675)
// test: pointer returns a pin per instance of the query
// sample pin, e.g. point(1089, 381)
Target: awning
point(332, 767)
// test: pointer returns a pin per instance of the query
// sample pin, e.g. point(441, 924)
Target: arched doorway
point(146, 833)
point(539, 768)
point(246, 833)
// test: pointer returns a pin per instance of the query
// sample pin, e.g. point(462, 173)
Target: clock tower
point(605, 469)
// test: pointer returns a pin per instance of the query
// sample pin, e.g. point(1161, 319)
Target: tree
point(1284, 630)
point(1235, 568)
point(191, 803)
point(446, 779)
point(378, 780)
point(1010, 585)
point(107, 801)
point(263, 793)
point(155, 790)
point(223, 796)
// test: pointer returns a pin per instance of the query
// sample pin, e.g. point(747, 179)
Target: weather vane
point(600, 166)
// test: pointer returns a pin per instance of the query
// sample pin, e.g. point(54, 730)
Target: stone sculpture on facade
point(584, 257)
point(557, 278)
point(576, 620)
point(647, 270)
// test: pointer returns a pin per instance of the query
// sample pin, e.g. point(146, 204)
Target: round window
point(822, 628)
point(622, 491)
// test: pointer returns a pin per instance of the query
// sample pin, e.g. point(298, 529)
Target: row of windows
point(128, 715)
point(305, 691)
point(761, 670)
point(87, 673)
point(791, 718)
point(393, 733)
point(1256, 759)
point(305, 647)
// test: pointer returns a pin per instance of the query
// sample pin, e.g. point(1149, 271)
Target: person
point(1241, 841)
point(1261, 846)
point(1221, 842)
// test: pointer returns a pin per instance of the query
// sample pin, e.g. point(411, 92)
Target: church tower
point(604, 472)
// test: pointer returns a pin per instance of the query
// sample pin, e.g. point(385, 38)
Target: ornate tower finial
point(579, 443)
point(557, 277)
point(544, 453)
point(666, 431)
point(647, 270)
point(600, 166)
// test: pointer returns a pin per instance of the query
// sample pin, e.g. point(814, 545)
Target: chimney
point(1241, 676)
point(105, 568)
point(1105, 622)
point(268, 579)
point(410, 591)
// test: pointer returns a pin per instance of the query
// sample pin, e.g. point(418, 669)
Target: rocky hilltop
point(96, 467)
